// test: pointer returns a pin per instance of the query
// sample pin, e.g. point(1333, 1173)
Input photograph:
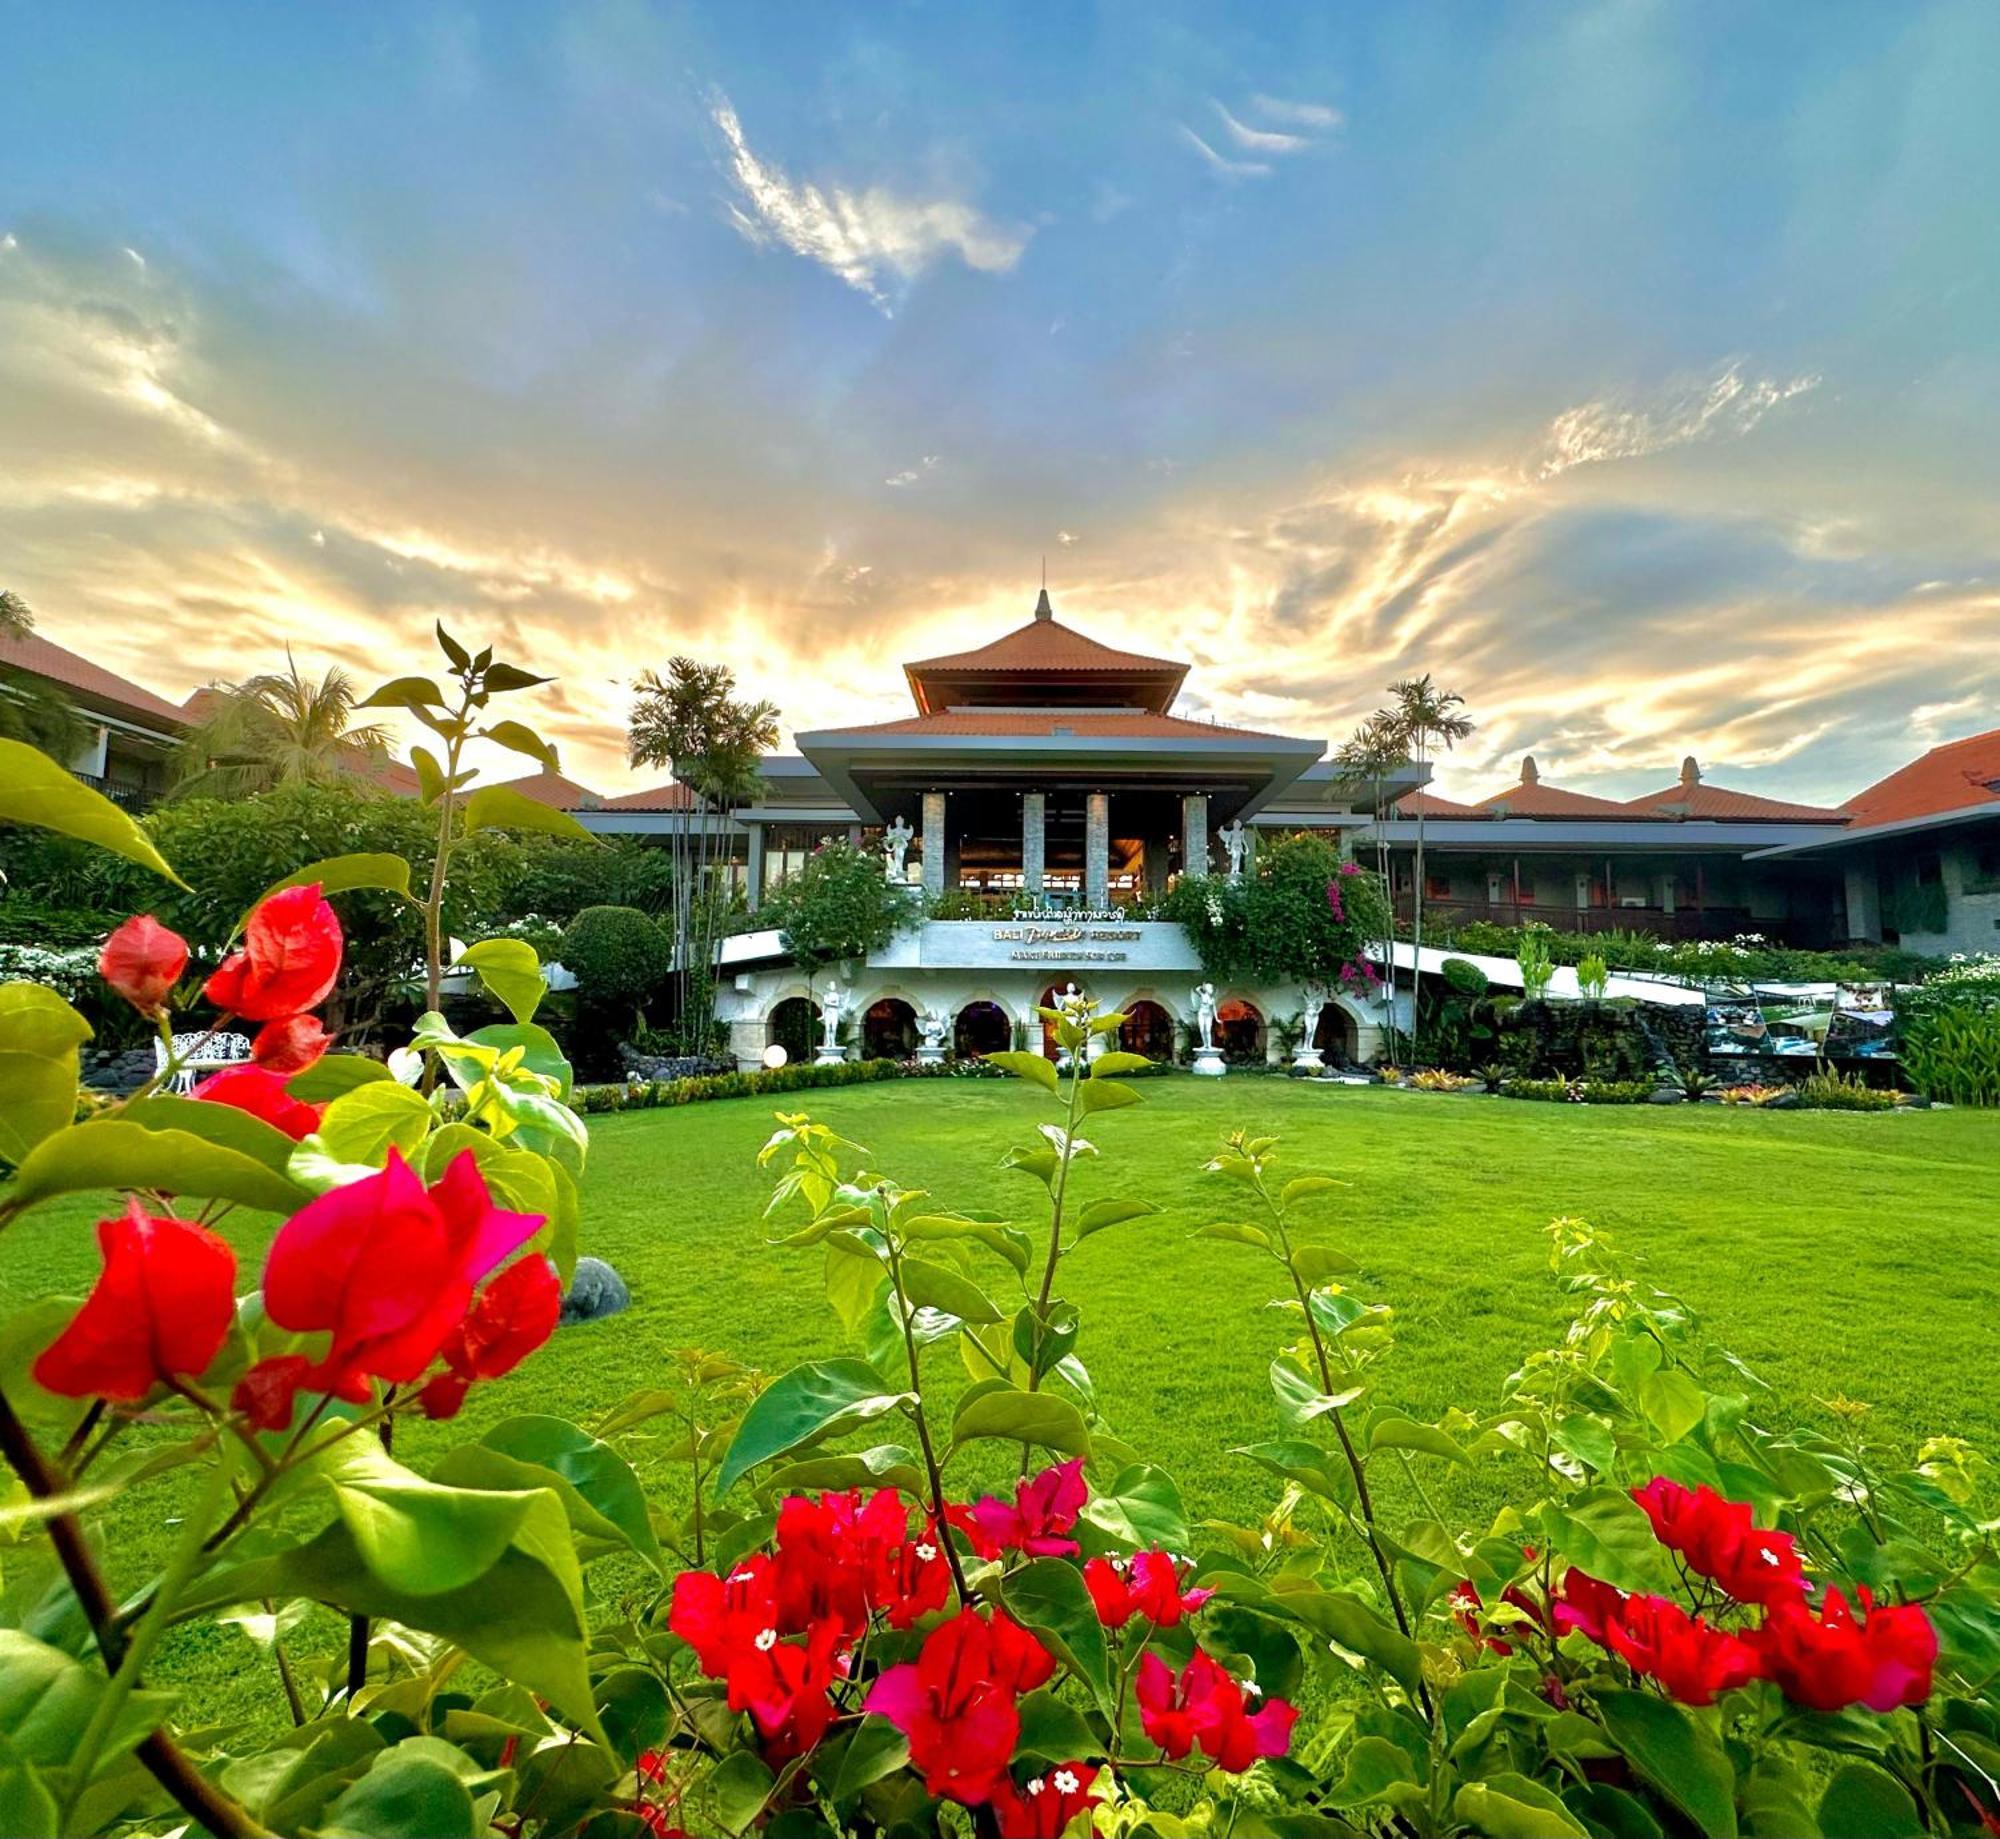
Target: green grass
point(1836, 1253)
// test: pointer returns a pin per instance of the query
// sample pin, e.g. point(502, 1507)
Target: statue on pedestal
point(830, 1052)
point(896, 842)
point(1207, 1056)
point(932, 1026)
point(1236, 840)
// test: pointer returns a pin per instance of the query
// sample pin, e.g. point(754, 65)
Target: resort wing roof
point(1429, 804)
point(1047, 656)
point(1692, 798)
point(1949, 778)
point(555, 790)
point(1057, 723)
point(90, 683)
point(673, 796)
point(1531, 798)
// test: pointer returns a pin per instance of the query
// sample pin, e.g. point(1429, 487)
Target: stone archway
point(794, 1025)
point(1148, 1030)
point(1334, 1036)
point(1239, 1032)
point(981, 1028)
point(888, 1030)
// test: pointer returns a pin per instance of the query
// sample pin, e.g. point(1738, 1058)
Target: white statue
point(1207, 1056)
point(932, 1027)
point(896, 842)
point(830, 1052)
point(1236, 840)
point(1305, 1058)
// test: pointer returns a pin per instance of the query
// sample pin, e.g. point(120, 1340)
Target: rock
point(594, 1292)
point(661, 1068)
point(1667, 1095)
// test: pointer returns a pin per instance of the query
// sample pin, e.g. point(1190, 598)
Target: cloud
point(868, 238)
point(1217, 163)
point(1300, 126)
point(911, 474)
point(1725, 404)
point(1259, 140)
point(1297, 114)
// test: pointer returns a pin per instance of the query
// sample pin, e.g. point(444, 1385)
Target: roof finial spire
point(1690, 771)
point(1530, 773)
point(1042, 608)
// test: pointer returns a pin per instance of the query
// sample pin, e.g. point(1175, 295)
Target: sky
point(1633, 368)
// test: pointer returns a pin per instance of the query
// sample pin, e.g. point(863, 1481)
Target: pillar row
point(1096, 850)
point(1194, 833)
point(1034, 843)
point(934, 844)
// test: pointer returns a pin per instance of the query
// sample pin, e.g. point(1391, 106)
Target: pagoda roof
point(1044, 661)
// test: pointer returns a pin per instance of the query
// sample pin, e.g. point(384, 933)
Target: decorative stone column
point(934, 844)
point(1034, 844)
point(753, 870)
point(1194, 833)
point(1096, 849)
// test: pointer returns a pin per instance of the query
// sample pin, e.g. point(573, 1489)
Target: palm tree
point(1425, 716)
point(1366, 757)
point(691, 723)
point(32, 709)
point(281, 728)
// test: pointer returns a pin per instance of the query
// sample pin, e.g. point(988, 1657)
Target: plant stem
point(162, 1758)
point(931, 1468)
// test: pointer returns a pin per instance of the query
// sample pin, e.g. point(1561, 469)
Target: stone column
point(1153, 867)
point(1864, 902)
point(1034, 844)
point(934, 844)
point(1194, 833)
point(1096, 849)
point(753, 872)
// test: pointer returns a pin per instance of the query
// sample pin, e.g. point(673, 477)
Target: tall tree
point(1426, 717)
point(1366, 758)
point(280, 728)
point(691, 722)
point(32, 709)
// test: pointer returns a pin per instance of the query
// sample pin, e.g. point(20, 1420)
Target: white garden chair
point(196, 1054)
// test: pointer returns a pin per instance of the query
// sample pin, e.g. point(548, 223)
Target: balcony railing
point(1707, 922)
point(133, 798)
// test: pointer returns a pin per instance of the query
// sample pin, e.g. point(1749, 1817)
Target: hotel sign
point(1045, 938)
point(1074, 939)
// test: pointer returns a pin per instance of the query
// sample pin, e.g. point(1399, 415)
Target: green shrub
point(1949, 1033)
point(840, 905)
point(26, 921)
point(1580, 1091)
point(1829, 1090)
point(618, 957)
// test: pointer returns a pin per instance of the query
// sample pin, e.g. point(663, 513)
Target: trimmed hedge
point(1581, 1091)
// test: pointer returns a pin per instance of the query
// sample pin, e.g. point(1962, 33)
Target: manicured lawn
point(1835, 1253)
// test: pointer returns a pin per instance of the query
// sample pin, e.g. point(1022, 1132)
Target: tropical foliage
point(278, 728)
point(840, 905)
point(1950, 1033)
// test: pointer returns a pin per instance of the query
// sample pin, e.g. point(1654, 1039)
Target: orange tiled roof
point(1429, 804)
point(47, 659)
point(673, 796)
point(1948, 778)
point(1108, 724)
point(1553, 801)
point(1046, 645)
point(1721, 805)
point(555, 790)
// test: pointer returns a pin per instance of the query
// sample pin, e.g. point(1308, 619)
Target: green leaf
point(1022, 1417)
point(632, 1706)
point(1118, 1061)
point(494, 807)
point(1405, 1433)
point(1300, 1401)
point(809, 1402)
point(418, 1536)
point(541, 1052)
point(1345, 1618)
point(937, 1286)
point(887, 1465)
point(1036, 1069)
point(46, 1700)
point(879, 1749)
point(35, 790)
point(1678, 1757)
point(1104, 1095)
point(1055, 1730)
point(111, 1153)
point(1315, 1263)
point(27, 1808)
point(593, 1471)
point(404, 1797)
point(1312, 1467)
point(1605, 1532)
point(521, 739)
point(1048, 1596)
point(342, 875)
point(1865, 1799)
point(1102, 1213)
point(39, 1038)
point(405, 693)
point(223, 1125)
point(1374, 1765)
point(510, 969)
point(1300, 1186)
point(501, 678)
point(1673, 1402)
point(1510, 1806)
point(854, 1279)
point(738, 1787)
point(361, 1126)
point(1236, 1232)
point(331, 1075)
point(430, 775)
point(1142, 1507)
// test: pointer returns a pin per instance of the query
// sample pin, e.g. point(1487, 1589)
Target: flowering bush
point(884, 1605)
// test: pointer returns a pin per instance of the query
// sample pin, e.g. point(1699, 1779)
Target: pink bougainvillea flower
point(1036, 1520)
point(1717, 1538)
point(261, 1092)
point(143, 961)
point(388, 1268)
point(1045, 1804)
point(1146, 1584)
point(1204, 1705)
point(1882, 1659)
point(160, 1310)
point(290, 1044)
point(956, 1702)
point(289, 960)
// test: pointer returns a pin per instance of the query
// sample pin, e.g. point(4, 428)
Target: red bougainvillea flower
point(785, 1687)
point(388, 1268)
point(266, 1394)
point(1043, 1510)
point(720, 1617)
point(161, 1308)
point(142, 961)
point(1717, 1538)
point(508, 1320)
point(909, 1579)
point(290, 958)
point(1825, 1662)
point(1692, 1662)
point(1587, 1604)
point(1043, 1807)
point(1205, 1705)
point(826, 1546)
point(956, 1702)
point(262, 1093)
point(290, 1045)
point(1468, 1608)
point(1146, 1584)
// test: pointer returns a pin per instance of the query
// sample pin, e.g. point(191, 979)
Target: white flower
point(1066, 1783)
point(767, 1639)
point(1035, 1786)
point(926, 1552)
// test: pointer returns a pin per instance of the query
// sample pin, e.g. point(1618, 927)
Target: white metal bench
point(196, 1054)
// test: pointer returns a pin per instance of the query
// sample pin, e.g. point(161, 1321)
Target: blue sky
point(1634, 368)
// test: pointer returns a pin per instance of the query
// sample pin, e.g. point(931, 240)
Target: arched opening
point(1148, 1030)
point(889, 1030)
point(795, 1027)
point(1334, 1036)
point(1239, 1032)
point(981, 1028)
